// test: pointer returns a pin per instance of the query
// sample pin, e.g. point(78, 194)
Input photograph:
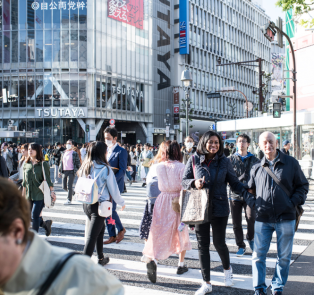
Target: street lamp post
point(186, 78)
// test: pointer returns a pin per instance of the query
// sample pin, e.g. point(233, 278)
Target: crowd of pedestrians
point(235, 179)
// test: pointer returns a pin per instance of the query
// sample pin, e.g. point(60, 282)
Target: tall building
point(68, 64)
point(229, 30)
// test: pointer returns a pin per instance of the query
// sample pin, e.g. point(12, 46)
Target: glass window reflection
point(31, 46)
point(22, 43)
point(22, 14)
point(30, 91)
point(22, 92)
point(39, 46)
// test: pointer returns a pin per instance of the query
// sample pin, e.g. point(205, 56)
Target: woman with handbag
point(33, 177)
point(145, 159)
point(165, 237)
point(152, 191)
point(96, 165)
point(209, 169)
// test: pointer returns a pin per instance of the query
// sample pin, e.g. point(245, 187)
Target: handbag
point(45, 189)
point(195, 204)
point(86, 189)
point(146, 163)
point(105, 208)
point(299, 210)
point(54, 273)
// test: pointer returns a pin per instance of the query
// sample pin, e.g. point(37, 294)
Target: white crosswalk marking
point(69, 226)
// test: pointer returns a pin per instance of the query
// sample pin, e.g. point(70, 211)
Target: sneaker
point(68, 202)
point(251, 243)
point(206, 288)
point(144, 184)
point(259, 292)
point(130, 182)
point(241, 252)
point(152, 271)
point(182, 269)
point(278, 293)
point(47, 227)
point(56, 182)
point(228, 277)
point(145, 259)
point(103, 261)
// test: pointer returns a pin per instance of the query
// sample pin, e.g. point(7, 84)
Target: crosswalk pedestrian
point(68, 231)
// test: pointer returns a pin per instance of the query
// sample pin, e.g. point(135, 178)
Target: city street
point(68, 231)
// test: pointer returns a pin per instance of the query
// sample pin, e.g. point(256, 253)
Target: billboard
point(278, 62)
point(184, 27)
point(127, 11)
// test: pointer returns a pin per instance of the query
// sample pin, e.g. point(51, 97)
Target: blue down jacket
point(225, 175)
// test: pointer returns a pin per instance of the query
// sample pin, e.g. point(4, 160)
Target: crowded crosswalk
point(68, 230)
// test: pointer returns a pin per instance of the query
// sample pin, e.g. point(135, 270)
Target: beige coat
point(80, 275)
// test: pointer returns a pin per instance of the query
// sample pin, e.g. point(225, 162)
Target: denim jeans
point(128, 175)
point(262, 238)
point(36, 208)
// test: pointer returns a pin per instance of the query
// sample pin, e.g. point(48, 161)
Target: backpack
point(86, 189)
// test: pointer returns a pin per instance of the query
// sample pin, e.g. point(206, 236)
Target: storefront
point(283, 130)
point(65, 65)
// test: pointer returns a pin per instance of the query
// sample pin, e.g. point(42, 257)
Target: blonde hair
point(162, 152)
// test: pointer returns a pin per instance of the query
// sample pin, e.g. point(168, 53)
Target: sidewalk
point(301, 274)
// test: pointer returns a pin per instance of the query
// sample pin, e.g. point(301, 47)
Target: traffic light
point(86, 128)
point(276, 110)
point(279, 34)
point(268, 32)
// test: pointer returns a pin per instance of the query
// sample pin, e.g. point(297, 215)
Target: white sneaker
point(56, 181)
point(145, 259)
point(206, 288)
point(67, 202)
point(228, 277)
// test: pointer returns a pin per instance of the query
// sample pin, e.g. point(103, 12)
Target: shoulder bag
point(195, 204)
point(45, 188)
point(299, 210)
point(54, 273)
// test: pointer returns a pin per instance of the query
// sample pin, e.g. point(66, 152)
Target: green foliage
point(299, 7)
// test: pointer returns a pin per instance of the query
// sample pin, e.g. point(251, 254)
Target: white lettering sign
point(62, 112)
point(62, 5)
point(118, 90)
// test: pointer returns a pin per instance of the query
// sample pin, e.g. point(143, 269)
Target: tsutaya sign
point(61, 112)
point(124, 90)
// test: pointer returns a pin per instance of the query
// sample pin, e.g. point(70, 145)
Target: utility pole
point(260, 72)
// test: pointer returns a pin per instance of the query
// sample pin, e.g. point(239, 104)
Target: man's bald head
point(267, 142)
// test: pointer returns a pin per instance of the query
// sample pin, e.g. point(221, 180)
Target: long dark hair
point(173, 151)
point(97, 151)
point(39, 153)
point(201, 147)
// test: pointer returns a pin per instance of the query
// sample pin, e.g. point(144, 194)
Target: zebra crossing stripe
point(298, 235)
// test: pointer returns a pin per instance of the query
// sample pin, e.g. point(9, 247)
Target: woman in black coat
point(209, 158)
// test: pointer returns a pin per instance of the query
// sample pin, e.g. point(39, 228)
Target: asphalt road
point(68, 231)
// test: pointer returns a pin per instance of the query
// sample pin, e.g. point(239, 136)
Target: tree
point(233, 107)
point(299, 7)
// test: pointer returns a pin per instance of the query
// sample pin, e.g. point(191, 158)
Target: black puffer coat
point(225, 175)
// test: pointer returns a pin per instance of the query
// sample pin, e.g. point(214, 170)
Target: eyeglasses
point(240, 141)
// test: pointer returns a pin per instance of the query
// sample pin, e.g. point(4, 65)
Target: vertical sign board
point(176, 108)
point(184, 26)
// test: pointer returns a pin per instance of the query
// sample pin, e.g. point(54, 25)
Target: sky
point(272, 10)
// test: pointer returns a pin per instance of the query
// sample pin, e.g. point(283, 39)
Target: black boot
point(47, 227)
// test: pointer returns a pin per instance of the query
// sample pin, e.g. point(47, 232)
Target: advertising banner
point(277, 61)
point(176, 108)
point(127, 11)
point(184, 27)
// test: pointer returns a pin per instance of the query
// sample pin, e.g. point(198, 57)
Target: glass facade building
point(59, 56)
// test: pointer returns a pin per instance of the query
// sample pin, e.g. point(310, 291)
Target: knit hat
point(285, 142)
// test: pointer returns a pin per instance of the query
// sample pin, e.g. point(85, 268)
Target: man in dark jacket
point(275, 211)
point(57, 156)
point(242, 162)
point(286, 147)
point(226, 149)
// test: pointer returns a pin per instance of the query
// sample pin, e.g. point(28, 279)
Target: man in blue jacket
point(117, 158)
point(275, 210)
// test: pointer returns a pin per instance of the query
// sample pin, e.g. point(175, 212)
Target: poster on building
point(176, 108)
point(127, 11)
point(277, 71)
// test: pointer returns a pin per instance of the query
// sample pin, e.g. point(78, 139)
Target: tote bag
point(45, 189)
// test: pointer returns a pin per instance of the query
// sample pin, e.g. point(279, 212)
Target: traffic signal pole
point(260, 85)
point(296, 146)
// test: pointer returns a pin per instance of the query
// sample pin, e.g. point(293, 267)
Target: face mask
point(108, 142)
point(69, 146)
point(189, 145)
